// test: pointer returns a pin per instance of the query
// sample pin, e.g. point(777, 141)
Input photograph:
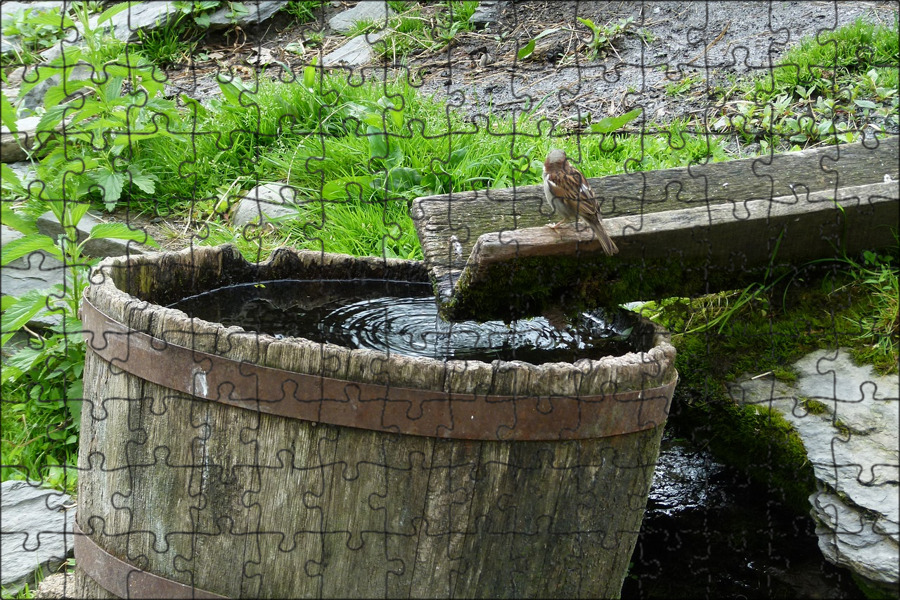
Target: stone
point(486, 14)
point(356, 52)
point(37, 532)
point(58, 586)
point(37, 271)
point(259, 12)
point(264, 203)
point(15, 147)
point(852, 444)
point(363, 11)
point(99, 248)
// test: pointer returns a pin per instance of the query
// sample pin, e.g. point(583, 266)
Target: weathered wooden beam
point(682, 231)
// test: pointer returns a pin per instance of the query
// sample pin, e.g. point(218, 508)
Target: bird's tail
point(606, 242)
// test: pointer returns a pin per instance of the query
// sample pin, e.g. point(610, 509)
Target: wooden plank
point(674, 253)
point(449, 226)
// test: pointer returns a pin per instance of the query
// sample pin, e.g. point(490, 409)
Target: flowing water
point(402, 317)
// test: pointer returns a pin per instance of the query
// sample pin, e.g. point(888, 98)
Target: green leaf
point(12, 219)
point(526, 50)
point(111, 182)
point(378, 145)
point(21, 311)
point(53, 18)
point(610, 124)
point(546, 32)
point(589, 24)
point(401, 179)
point(24, 246)
point(58, 93)
point(121, 231)
point(231, 88)
point(865, 104)
point(112, 11)
point(309, 73)
point(146, 183)
point(336, 189)
point(8, 114)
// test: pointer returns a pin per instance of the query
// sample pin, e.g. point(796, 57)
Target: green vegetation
point(603, 36)
point(419, 28)
point(823, 91)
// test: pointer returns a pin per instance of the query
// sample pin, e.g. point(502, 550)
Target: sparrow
point(571, 196)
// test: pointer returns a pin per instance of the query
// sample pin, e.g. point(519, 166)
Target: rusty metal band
point(125, 580)
point(379, 407)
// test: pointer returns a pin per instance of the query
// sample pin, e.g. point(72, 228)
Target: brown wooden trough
point(218, 462)
point(681, 232)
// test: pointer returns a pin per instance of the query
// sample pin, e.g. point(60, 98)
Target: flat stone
point(363, 11)
point(264, 203)
point(356, 52)
point(259, 12)
point(37, 532)
point(15, 146)
point(853, 448)
point(99, 248)
point(37, 271)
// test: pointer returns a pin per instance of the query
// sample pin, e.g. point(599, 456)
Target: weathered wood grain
point(247, 504)
point(450, 227)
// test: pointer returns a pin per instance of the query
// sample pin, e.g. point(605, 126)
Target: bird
point(571, 196)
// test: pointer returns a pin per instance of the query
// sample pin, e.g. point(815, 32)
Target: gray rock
point(259, 12)
point(356, 52)
point(37, 532)
point(15, 147)
point(853, 448)
point(371, 11)
point(100, 248)
point(265, 203)
point(37, 271)
point(487, 13)
point(58, 586)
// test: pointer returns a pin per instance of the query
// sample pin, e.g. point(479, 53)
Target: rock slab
point(849, 420)
point(363, 11)
point(37, 532)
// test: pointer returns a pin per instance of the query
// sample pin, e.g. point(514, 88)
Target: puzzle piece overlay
point(304, 469)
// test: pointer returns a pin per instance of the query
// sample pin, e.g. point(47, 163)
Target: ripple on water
point(402, 317)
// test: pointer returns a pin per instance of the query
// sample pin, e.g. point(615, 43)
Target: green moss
point(813, 407)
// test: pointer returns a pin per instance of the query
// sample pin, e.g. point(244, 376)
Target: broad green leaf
point(142, 181)
point(865, 104)
point(231, 89)
point(58, 93)
point(21, 362)
point(589, 24)
point(52, 118)
point(20, 223)
point(610, 124)
point(111, 182)
point(526, 50)
point(53, 18)
point(121, 231)
point(456, 157)
point(28, 244)
point(112, 88)
point(402, 179)
point(378, 145)
point(337, 188)
point(20, 312)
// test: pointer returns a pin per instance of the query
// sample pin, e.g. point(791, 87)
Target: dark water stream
point(402, 317)
point(708, 532)
point(711, 533)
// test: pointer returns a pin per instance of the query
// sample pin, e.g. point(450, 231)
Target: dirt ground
point(672, 56)
point(666, 44)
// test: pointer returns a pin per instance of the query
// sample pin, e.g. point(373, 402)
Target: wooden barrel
point(217, 462)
